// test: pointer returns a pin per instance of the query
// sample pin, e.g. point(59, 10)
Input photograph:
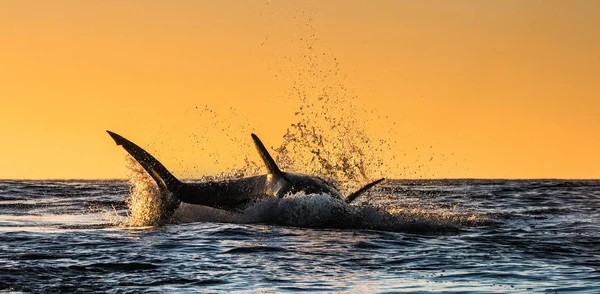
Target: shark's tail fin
point(158, 172)
point(362, 190)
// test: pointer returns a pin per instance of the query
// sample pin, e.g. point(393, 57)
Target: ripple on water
point(60, 252)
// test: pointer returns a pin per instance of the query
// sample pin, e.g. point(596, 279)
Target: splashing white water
point(323, 211)
point(146, 202)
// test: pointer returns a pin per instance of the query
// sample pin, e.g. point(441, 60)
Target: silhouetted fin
point(266, 157)
point(157, 171)
point(362, 190)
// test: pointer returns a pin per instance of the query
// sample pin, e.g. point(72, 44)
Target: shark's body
point(230, 195)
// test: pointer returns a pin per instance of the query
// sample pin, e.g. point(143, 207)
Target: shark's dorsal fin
point(266, 157)
point(362, 190)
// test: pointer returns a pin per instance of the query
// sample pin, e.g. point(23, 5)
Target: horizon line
point(392, 179)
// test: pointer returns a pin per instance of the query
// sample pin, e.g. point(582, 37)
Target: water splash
point(329, 136)
point(454, 216)
point(325, 141)
point(335, 148)
point(147, 204)
point(329, 139)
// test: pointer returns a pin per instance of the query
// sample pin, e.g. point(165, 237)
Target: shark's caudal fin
point(362, 190)
point(266, 157)
point(157, 171)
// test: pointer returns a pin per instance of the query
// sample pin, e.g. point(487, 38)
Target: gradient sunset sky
point(467, 89)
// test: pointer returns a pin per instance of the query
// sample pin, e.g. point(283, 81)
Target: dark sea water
point(447, 235)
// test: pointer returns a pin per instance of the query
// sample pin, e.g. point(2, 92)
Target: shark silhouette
point(231, 195)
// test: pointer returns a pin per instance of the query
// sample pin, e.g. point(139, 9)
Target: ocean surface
point(467, 236)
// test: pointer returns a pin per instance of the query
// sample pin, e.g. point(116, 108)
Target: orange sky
point(488, 89)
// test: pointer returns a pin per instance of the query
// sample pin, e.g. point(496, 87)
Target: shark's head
point(308, 185)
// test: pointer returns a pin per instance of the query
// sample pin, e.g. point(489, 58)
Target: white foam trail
point(323, 211)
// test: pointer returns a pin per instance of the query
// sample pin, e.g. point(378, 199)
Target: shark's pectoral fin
point(362, 190)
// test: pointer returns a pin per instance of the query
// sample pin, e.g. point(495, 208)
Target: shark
point(230, 195)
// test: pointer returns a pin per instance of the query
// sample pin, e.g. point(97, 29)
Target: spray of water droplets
point(147, 204)
point(329, 139)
